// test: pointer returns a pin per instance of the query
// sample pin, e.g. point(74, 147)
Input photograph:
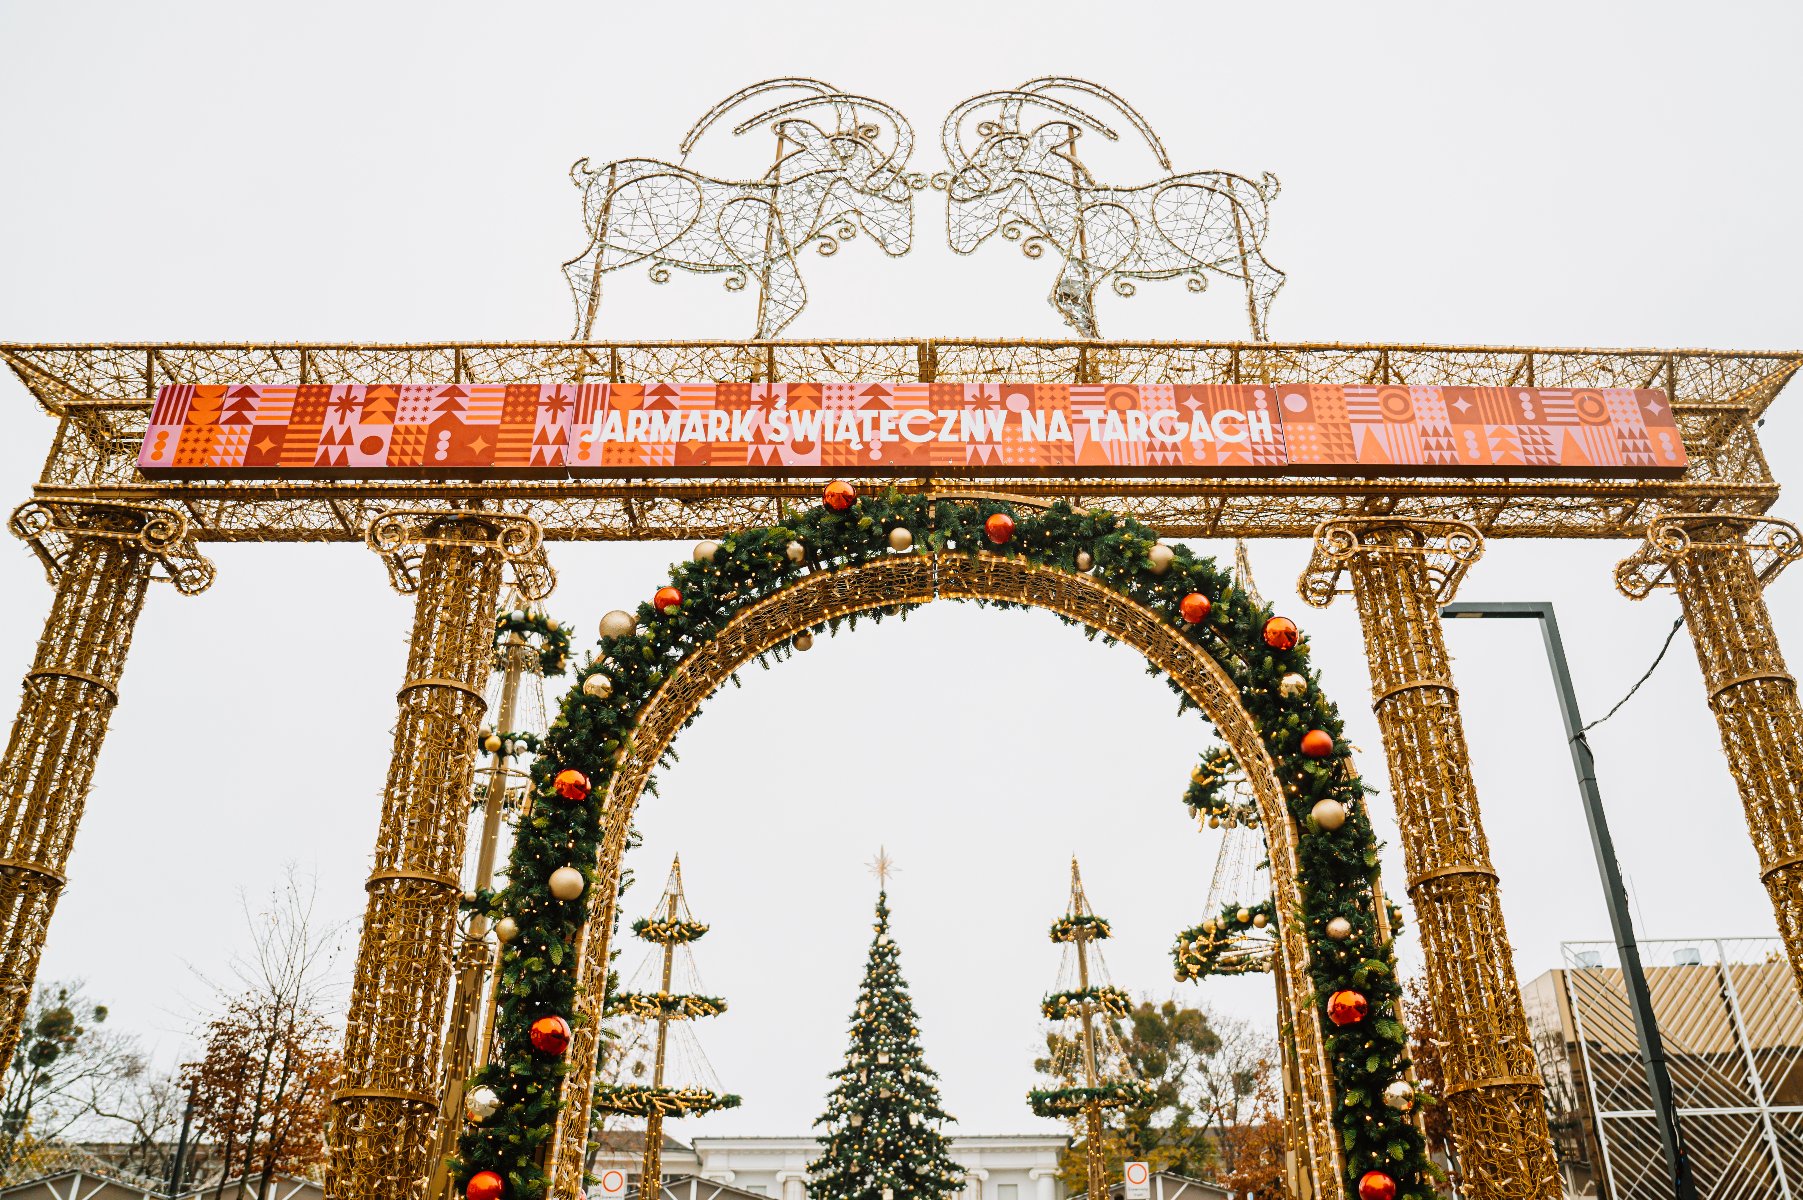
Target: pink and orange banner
point(631, 430)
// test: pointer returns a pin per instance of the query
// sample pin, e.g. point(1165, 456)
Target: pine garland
point(1105, 1001)
point(668, 932)
point(1093, 928)
point(652, 1005)
point(1338, 869)
point(1070, 1101)
point(641, 1099)
point(1200, 950)
point(531, 624)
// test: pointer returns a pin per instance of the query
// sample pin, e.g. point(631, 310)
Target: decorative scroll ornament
point(1447, 549)
point(53, 526)
point(400, 536)
point(839, 168)
point(1016, 169)
point(1770, 543)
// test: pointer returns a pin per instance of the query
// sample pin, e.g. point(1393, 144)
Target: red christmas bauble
point(1280, 633)
point(1375, 1185)
point(1343, 1008)
point(1317, 743)
point(485, 1185)
point(666, 599)
point(571, 784)
point(1000, 528)
point(551, 1035)
point(1195, 607)
point(839, 495)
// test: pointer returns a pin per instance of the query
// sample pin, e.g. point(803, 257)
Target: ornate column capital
point(1445, 549)
point(1773, 544)
point(402, 535)
point(53, 527)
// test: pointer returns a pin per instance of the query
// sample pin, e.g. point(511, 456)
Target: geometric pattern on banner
point(560, 430)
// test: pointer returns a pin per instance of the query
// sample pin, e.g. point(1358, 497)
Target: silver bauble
point(1085, 560)
point(804, 641)
point(567, 883)
point(517, 615)
point(900, 539)
point(619, 624)
point(1329, 814)
point(506, 929)
point(1339, 929)
point(1292, 686)
point(705, 551)
point(797, 553)
point(481, 1103)
point(598, 686)
point(1400, 1096)
point(1161, 557)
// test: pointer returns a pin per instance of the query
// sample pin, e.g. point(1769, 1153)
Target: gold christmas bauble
point(1292, 686)
point(797, 553)
point(1339, 929)
point(1161, 557)
point(900, 539)
point(1085, 561)
point(1328, 814)
point(506, 929)
point(598, 686)
point(567, 883)
point(705, 551)
point(492, 743)
point(618, 624)
point(1260, 921)
point(1243, 916)
point(804, 641)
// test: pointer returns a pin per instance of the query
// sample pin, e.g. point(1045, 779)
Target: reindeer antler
point(1071, 83)
point(951, 134)
point(890, 166)
point(739, 97)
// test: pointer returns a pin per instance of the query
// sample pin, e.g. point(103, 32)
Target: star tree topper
point(882, 866)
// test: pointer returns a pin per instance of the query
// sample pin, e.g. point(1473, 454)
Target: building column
point(101, 559)
point(1401, 572)
point(973, 1183)
point(383, 1113)
point(1045, 1180)
point(794, 1184)
point(1719, 564)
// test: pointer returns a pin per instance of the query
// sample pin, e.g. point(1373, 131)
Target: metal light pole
point(1640, 1000)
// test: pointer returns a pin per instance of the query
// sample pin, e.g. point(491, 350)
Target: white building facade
point(1016, 1167)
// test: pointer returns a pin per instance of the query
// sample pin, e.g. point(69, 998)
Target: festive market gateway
point(818, 480)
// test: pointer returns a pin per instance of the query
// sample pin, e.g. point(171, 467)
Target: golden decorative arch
point(900, 582)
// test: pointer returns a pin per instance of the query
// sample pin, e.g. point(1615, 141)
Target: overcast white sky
point(1548, 173)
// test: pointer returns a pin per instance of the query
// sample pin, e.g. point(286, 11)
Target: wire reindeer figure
point(1029, 183)
point(839, 167)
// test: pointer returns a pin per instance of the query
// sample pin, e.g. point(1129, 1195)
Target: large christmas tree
point(882, 1140)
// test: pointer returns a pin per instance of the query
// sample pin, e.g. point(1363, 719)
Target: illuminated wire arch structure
point(890, 584)
point(105, 525)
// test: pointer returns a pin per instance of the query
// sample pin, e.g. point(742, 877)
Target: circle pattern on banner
point(1137, 1172)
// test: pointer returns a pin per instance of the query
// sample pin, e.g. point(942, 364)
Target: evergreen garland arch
point(751, 594)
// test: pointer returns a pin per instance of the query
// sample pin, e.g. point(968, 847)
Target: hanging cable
point(1659, 658)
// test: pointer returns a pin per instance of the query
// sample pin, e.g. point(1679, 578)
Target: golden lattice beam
point(100, 395)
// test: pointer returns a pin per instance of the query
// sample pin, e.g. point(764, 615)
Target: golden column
point(1719, 564)
point(101, 559)
point(1402, 571)
point(380, 1136)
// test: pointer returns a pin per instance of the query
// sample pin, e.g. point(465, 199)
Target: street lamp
point(1640, 1000)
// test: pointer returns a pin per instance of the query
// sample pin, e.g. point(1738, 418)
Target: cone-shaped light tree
point(882, 1140)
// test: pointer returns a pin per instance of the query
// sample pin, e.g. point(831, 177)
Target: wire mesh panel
point(1733, 1032)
